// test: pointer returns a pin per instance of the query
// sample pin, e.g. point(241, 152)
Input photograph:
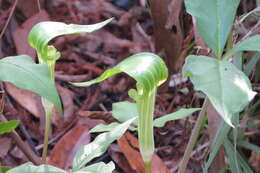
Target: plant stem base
point(148, 167)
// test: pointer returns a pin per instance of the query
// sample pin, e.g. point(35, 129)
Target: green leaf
point(108, 127)
point(100, 167)
point(24, 73)
point(241, 161)
point(251, 64)
point(123, 111)
point(249, 44)
point(147, 69)
point(228, 89)
point(231, 155)
point(43, 32)
point(249, 146)
point(99, 145)
point(219, 138)
point(30, 168)
point(214, 19)
point(4, 169)
point(6, 127)
point(182, 113)
point(104, 127)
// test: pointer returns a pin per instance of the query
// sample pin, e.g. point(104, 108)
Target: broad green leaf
point(147, 69)
point(251, 64)
point(100, 167)
point(228, 89)
point(107, 127)
point(182, 113)
point(6, 127)
point(43, 32)
point(30, 168)
point(98, 146)
point(123, 111)
point(214, 19)
point(24, 73)
point(249, 44)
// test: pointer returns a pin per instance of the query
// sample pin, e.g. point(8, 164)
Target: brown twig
point(23, 146)
point(251, 31)
point(39, 5)
point(9, 18)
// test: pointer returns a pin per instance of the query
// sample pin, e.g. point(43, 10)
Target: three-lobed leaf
point(24, 73)
point(124, 111)
point(6, 127)
point(99, 145)
point(228, 89)
point(214, 19)
point(30, 168)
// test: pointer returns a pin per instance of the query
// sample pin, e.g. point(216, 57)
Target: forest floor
point(84, 57)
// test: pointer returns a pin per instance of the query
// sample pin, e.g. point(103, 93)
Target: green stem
point(48, 113)
point(193, 138)
point(148, 167)
point(145, 107)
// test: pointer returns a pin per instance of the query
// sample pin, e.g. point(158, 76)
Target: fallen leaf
point(5, 146)
point(28, 12)
point(64, 151)
point(30, 101)
point(118, 157)
point(129, 146)
point(21, 34)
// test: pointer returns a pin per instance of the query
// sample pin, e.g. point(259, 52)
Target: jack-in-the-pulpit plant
point(38, 38)
point(149, 71)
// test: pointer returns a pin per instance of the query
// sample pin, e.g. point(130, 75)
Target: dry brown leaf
point(30, 101)
point(20, 35)
point(129, 146)
point(5, 146)
point(119, 158)
point(64, 151)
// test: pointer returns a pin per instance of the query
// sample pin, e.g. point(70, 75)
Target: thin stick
point(251, 31)
point(9, 18)
point(39, 5)
point(23, 146)
point(193, 138)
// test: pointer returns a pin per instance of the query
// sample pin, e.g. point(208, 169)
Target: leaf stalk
point(193, 138)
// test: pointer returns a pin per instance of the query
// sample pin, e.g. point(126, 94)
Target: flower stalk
point(145, 106)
